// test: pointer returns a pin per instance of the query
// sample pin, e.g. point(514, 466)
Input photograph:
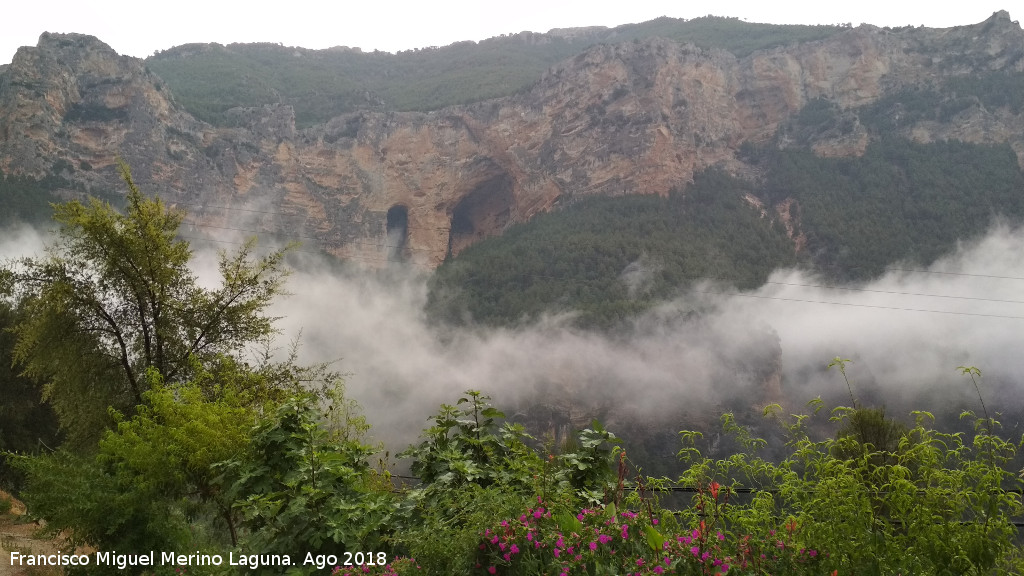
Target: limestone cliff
point(639, 117)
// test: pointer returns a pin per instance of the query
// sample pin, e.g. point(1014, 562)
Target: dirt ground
point(18, 535)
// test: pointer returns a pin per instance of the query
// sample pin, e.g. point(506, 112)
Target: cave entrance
point(397, 232)
point(483, 212)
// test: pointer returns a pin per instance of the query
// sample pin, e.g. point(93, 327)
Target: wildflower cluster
point(604, 540)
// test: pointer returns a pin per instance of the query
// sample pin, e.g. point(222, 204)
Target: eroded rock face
point(639, 117)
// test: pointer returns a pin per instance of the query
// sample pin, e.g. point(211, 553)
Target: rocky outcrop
point(638, 117)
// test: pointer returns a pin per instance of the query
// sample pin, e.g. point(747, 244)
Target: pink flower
point(593, 546)
point(514, 549)
point(492, 570)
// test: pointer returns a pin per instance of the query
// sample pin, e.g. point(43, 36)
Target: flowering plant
point(605, 540)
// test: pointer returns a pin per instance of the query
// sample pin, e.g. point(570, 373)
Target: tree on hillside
point(114, 296)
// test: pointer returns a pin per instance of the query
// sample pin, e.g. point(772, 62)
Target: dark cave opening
point(397, 232)
point(483, 212)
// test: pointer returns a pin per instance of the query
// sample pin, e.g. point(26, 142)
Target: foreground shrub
point(474, 469)
point(930, 503)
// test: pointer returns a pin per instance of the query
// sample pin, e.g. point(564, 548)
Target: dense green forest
point(609, 258)
point(900, 201)
point(320, 84)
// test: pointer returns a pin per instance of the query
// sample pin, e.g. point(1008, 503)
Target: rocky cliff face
point(639, 117)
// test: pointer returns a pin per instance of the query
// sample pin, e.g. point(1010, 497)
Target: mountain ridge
point(634, 117)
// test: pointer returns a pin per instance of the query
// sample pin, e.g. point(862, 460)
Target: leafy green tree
point(115, 296)
point(160, 468)
point(468, 445)
point(474, 468)
point(298, 491)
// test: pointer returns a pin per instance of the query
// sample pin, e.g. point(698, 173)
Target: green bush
point(298, 492)
point(932, 503)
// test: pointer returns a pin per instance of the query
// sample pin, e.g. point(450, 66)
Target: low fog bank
point(21, 241)
point(677, 367)
point(680, 365)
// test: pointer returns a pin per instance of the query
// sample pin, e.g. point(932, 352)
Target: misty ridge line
point(392, 260)
point(722, 279)
point(666, 365)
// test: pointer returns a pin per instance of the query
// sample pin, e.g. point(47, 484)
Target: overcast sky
point(140, 28)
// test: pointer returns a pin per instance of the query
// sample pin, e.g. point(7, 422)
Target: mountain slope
point(640, 117)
